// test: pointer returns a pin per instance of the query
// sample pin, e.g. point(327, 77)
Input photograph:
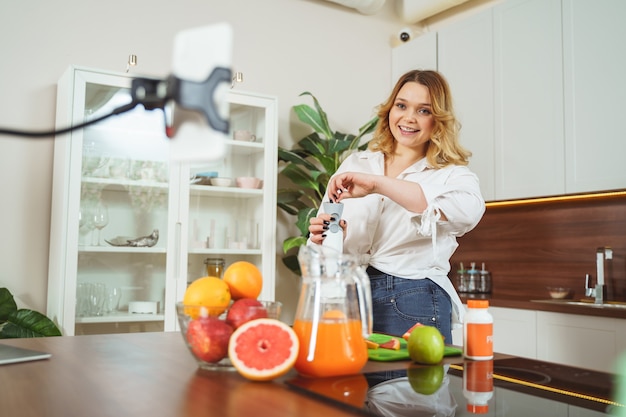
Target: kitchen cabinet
point(525, 80)
point(466, 60)
point(514, 331)
point(528, 73)
point(122, 164)
point(594, 58)
point(583, 341)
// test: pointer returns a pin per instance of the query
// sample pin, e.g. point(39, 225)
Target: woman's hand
point(352, 185)
point(408, 194)
point(318, 226)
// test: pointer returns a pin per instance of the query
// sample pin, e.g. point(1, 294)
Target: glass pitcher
point(334, 313)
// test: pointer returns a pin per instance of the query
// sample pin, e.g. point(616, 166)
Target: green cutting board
point(387, 355)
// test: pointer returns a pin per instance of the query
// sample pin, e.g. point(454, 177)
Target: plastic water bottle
point(478, 331)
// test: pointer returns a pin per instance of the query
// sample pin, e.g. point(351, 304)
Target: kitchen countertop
point(153, 374)
point(557, 306)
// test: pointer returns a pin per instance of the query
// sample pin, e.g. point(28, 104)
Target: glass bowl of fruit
point(207, 329)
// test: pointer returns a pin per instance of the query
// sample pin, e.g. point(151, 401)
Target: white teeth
point(407, 129)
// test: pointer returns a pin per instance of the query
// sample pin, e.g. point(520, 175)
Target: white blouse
point(411, 245)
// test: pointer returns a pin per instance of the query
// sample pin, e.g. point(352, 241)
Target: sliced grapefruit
point(263, 349)
point(371, 345)
point(393, 344)
point(407, 334)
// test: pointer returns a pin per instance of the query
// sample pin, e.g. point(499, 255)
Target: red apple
point(208, 338)
point(244, 310)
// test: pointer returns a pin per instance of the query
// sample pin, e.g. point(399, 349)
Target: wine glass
point(85, 224)
point(100, 218)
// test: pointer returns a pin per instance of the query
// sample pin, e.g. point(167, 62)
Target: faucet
point(602, 254)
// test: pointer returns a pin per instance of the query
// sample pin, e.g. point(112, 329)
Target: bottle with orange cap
point(478, 385)
point(478, 331)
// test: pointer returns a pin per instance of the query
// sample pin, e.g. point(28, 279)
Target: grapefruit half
point(263, 349)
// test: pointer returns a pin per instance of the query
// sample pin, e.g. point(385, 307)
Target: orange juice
point(340, 348)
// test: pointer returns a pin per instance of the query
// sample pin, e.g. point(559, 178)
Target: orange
point(244, 280)
point(263, 349)
point(209, 292)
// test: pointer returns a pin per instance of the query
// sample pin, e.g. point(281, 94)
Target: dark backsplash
point(528, 247)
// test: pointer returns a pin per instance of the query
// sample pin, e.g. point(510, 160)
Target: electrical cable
point(33, 134)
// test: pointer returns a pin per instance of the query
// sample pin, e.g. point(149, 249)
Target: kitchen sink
point(618, 305)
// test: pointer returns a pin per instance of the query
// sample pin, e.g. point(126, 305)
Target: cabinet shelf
point(122, 183)
point(223, 251)
point(228, 192)
point(120, 317)
point(121, 249)
point(245, 148)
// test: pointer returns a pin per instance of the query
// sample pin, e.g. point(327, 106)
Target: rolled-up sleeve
point(456, 195)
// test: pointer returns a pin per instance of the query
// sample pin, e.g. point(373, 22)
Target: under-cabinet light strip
point(576, 197)
point(544, 388)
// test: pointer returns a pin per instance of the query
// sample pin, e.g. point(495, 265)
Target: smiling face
point(410, 119)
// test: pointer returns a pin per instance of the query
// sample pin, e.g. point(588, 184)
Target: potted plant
point(18, 323)
point(309, 166)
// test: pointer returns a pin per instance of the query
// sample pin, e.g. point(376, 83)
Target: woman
point(406, 200)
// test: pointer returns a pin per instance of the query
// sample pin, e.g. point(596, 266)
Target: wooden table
point(139, 374)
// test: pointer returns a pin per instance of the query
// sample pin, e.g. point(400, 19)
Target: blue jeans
point(399, 303)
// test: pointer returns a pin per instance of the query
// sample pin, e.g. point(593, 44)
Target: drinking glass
point(114, 294)
point(83, 301)
point(100, 218)
point(97, 299)
point(85, 225)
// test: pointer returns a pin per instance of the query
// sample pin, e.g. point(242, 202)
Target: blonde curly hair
point(443, 147)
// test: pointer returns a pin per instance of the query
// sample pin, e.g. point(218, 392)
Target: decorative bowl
point(207, 335)
point(248, 182)
point(559, 293)
point(244, 135)
point(221, 181)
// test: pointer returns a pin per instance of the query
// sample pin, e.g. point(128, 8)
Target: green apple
point(425, 380)
point(425, 345)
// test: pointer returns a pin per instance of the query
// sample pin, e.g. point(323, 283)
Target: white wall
point(283, 47)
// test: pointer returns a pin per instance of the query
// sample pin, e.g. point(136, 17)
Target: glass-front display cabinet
point(130, 228)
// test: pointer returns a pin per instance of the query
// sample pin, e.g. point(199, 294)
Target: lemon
point(209, 292)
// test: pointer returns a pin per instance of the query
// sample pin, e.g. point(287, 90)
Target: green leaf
point(304, 216)
point(294, 158)
point(291, 262)
point(288, 195)
point(7, 304)
point(293, 242)
point(28, 323)
point(368, 127)
point(314, 146)
point(324, 125)
point(305, 179)
point(339, 143)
